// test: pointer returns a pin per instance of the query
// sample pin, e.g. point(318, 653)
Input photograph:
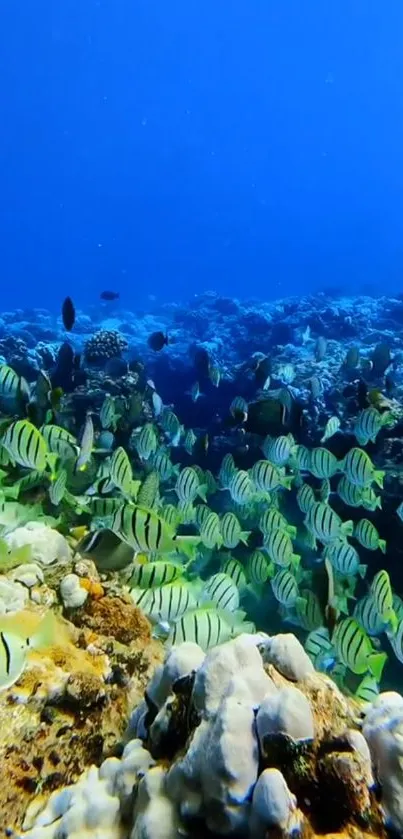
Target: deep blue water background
point(163, 148)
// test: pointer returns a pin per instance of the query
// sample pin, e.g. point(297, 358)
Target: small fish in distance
point(68, 314)
point(109, 295)
point(157, 341)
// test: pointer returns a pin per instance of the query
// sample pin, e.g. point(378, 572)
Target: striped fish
point(241, 487)
point(323, 464)
point(233, 568)
point(308, 611)
point(350, 493)
point(360, 470)
point(366, 614)
point(345, 559)
point(355, 650)
point(267, 477)
point(171, 515)
point(280, 549)
point(305, 498)
point(107, 414)
point(146, 532)
point(172, 427)
point(367, 690)
point(13, 388)
point(332, 426)
point(60, 442)
point(320, 648)
point(367, 535)
point(161, 462)
point(57, 489)
point(201, 514)
point(300, 458)
point(325, 524)
point(227, 471)
point(121, 471)
point(188, 486)
point(165, 603)
point(381, 591)
point(239, 409)
point(204, 626)
point(153, 574)
point(210, 531)
point(396, 641)
point(26, 446)
point(274, 520)
point(104, 508)
point(146, 442)
point(189, 441)
point(278, 450)
point(369, 423)
point(232, 533)
point(260, 569)
point(221, 590)
point(285, 588)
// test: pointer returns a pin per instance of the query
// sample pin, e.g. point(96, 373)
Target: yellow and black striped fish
point(26, 445)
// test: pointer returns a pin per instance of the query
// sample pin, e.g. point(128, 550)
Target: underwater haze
point(165, 148)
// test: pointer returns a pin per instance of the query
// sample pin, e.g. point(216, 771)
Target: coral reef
point(192, 763)
point(104, 344)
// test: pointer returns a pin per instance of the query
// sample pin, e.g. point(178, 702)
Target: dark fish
point(68, 314)
point(362, 394)
point(157, 341)
point(116, 368)
point(62, 373)
point(202, 362)
point(109, 295)
point(320, 348)
point(106, 550)
point(263, 371)
point(381, 359)
point(352, 358)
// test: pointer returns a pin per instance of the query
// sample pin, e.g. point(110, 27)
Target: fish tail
point(382, 545)
point(347, 528)
point(188, 545)
point(202, 492)
point(295, 560)
point(378, 477)
point(393, 622)
point(362, 570)
point(376, 663)
point(244, 536)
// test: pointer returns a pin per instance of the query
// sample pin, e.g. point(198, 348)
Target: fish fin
point(202, 491)
point(382, 545)
point(287, 481)
point(295, 560)
point(378, 477)
point(244, 536)
point(347, 528)
point(376, 663)
point(393, 622)
point(51, 461)
point(362, 570)
point(187, 545)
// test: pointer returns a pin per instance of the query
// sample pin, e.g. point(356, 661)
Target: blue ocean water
point(162, 148)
